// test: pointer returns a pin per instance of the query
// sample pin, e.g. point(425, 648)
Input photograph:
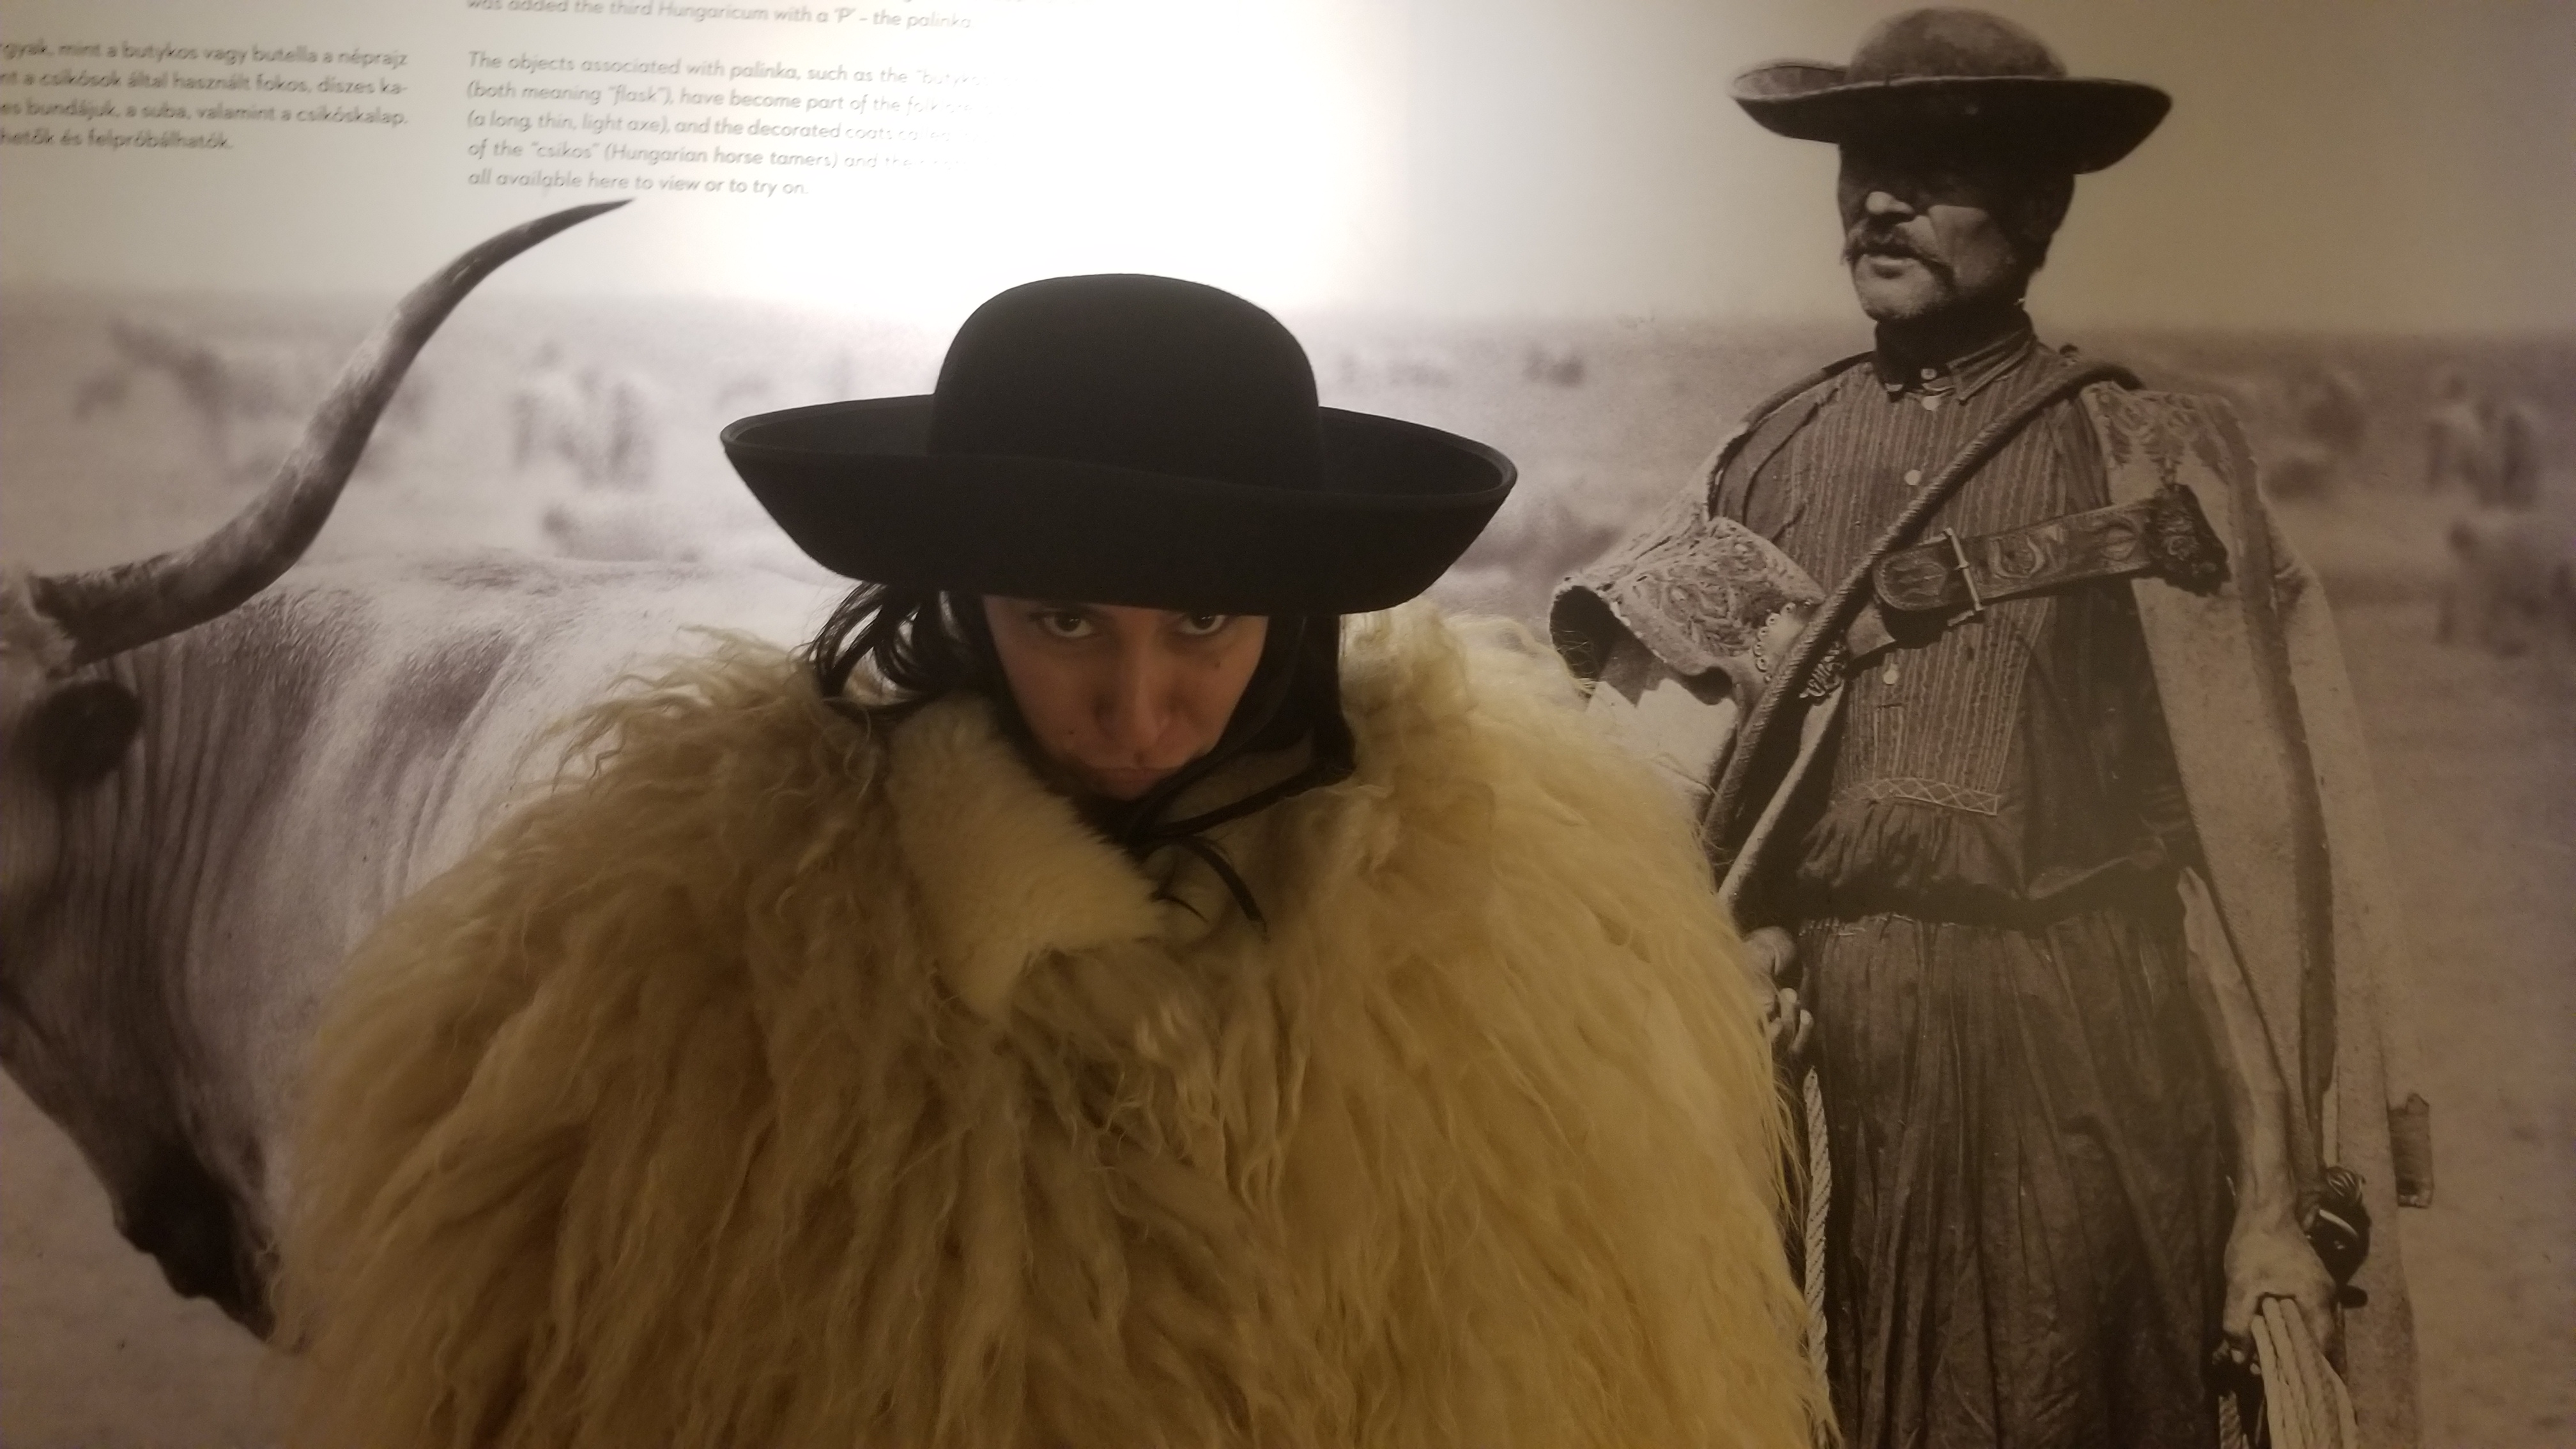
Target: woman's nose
point(1137, 711)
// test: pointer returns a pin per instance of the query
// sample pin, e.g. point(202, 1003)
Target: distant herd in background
point(2513, 548)
point(246, 395)
point(597, 436)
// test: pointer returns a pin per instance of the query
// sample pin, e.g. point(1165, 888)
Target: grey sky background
point(2364, 165)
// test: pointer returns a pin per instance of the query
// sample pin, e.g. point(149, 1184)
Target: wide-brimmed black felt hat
point(1956, 76)
point(1124, 439)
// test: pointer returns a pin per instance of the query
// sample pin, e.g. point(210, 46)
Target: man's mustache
point(1862, 242)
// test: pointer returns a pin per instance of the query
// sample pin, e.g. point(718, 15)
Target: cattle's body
point(303, 762)
point(2490, 447)
point(218, 771)
point(2513, 578)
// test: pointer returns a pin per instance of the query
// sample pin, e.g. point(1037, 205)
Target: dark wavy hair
point(922, 645)
point(915, 643)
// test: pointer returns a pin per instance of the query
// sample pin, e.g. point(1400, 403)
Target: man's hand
point(1785, 1024)
point(2268, 1257)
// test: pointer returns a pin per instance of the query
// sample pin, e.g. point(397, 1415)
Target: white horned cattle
point(600, 425)
point(2513, 579)
point(2489, 446)
point(215, 775)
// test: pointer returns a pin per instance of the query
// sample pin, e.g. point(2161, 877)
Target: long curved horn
point(107, 611)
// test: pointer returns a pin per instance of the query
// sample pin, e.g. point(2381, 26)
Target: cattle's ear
point(82, 731)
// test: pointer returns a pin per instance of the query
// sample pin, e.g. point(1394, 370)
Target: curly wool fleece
point(780, 1084)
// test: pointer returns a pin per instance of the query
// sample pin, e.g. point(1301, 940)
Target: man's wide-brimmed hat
point(1124, 439)
point(1956, 76)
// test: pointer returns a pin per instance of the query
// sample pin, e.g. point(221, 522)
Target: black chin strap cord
point(1305, 647)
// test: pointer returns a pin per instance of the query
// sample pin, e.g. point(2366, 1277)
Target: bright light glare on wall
point(1239, 144)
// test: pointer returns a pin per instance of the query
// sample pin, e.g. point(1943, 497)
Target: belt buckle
point(1967, 575)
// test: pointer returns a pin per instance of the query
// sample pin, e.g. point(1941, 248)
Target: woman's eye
point(1063, 623)
point(1200, 626)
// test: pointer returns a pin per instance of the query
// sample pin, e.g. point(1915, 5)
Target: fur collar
point(1007, 869)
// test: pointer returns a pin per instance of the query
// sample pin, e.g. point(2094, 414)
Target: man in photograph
point(2060, 801)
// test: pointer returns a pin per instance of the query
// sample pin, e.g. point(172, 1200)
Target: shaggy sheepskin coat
point(785, 1083)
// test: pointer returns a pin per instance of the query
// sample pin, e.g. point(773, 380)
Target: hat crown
point(1951, 44)
point(1131, 371)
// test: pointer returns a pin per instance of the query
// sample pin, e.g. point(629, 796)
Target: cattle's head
point(57, 732)
point(49, 726)
point(84, 1046)
point(68, 731)
point(101, 1050)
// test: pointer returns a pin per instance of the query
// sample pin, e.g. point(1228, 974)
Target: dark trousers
point(2029, 1209)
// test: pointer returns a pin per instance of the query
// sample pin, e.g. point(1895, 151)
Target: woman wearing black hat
point(1094, 996)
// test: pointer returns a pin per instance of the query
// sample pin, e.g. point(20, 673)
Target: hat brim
point(853, 484)
point(2082, 123)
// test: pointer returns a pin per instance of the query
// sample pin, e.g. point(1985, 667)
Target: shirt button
point(1913, 477)
point(1930, 373)
point(1930, 402)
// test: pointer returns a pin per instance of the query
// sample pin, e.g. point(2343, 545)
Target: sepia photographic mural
point(1594, 235)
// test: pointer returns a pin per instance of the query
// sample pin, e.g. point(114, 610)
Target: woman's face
point(1120, 697)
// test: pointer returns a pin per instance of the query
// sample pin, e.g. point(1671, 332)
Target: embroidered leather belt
point(2164, 534)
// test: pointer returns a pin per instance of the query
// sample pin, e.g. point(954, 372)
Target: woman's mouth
point(1125, 783)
